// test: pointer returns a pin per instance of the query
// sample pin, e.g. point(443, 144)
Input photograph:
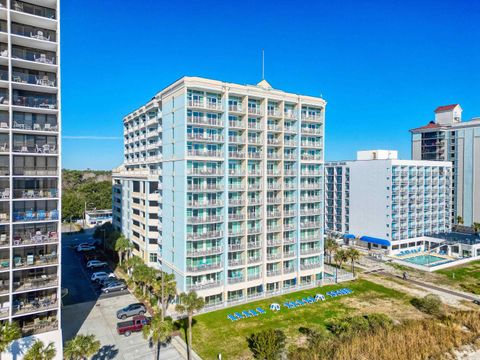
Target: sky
point(382, 66)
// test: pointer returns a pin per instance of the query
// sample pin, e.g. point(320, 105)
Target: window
point(153, 257)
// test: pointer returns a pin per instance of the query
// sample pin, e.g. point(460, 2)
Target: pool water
point(426, 260)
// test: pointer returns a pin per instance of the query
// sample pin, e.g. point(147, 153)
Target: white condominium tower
point(448, 138)
point(235, 174)
point(30, 171)
point(388, 204)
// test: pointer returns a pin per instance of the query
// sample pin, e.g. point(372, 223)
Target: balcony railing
point(204, 267)
point(236, 279)
point(205, 203)
point(42, 326)
point(34, 193)
point(33, 9)
point(24, 78)
point(20, 307)
point(35, 102)
point(204, 252)
point(31, 171)
point(205, 152)
point(205, 187)
point(38, 260)
point(308, 266)
point(38, 215)
point(205, 235)
point(236, 262)
point(254, 244)
point(35, 126)
point(204, 219)
point(34, 238)
point(203, 120)
point(274, 273)
point(204, 285)
point(204, 171)
point(36, 149)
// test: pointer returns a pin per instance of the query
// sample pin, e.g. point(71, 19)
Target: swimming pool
point(426, 260)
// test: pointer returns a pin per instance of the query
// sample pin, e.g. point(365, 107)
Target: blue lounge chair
point(287, 305)
point(261, 311)
point(310, 299)
point(238, 315)
point(348, 290)
point(292, 304)
point(231, 317)
point(246, 314)
point(307, 300)
point(254, 313)
point(298, 303)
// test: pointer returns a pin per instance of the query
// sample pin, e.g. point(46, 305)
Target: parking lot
point(87, 311)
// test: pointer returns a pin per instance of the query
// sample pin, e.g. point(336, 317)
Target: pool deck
point(445, 262)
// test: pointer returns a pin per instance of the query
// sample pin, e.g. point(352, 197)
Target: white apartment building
point(386, 203)
point(235, 174)
point(448, 138)
point(30, 181)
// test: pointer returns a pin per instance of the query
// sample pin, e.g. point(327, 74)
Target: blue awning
point(374, 240)
point(349, 236)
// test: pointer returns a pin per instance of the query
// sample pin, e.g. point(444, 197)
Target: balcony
point(205, 137)
point(254, 215)
point(35, 171)
point(204, 219)
point(204, 251)
point(204, 235)
point(204, 267)
point(34, 32)
point(236, 279)
point(235, 108)
point(203, 120)
point(204, 203)
point(206, 284)
point(274, 242)
point(271, 273)
point(33, 9)
point(254, 260)
point(254, 186)
point(204, 153)
point(236, 247)
point(274, 200)
point(254, 276)
point(236, 202)
point(39, 215)
point(309, 266)
point(254, 111)
point(236, 139)
point(35, 260)
point(24, 77)
point(39, 101)
point(236, 262)
point(236, 232)
point(310, 238)
point(204, 171)
point(35, 193)
point(210, 105)
point(42, 304)
point(289, 240)
point(289, 254)
point(308, 251)
point(236, 124)
point(311, 117)
point(236, 154)
point(276, 256)
point(254, 244)
point(204, 187)
point(254, 230)
point(35, 126)
point(34, 238)
point(274, 214)
point(254, 155)
point(288, 270)
point(236, 217)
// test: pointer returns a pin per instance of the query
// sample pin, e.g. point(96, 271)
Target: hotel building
point(448, 138)
point(30, 171)
point(222, 184)
point(386, 203)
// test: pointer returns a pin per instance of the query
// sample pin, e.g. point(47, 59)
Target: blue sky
point(383, 66)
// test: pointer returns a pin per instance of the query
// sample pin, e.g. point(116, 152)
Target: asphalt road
point(75, 276)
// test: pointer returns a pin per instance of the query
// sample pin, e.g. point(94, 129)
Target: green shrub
point(352, 325)
point(430, 304)
point(267, 345)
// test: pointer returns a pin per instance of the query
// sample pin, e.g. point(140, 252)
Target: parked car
point(114, 286)
point(135, 325)
point(99, 275)
point(106, 281)
point(476, 302)
point(96, 264)
point(131, 310)
point(85, 247)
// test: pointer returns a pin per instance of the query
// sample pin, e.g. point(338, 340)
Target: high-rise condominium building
point(30, 171)
point(448, 138)
point(228, 179)
point(389, 204)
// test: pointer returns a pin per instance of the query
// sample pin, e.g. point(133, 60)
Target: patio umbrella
point(275, 307)
point(319, 297)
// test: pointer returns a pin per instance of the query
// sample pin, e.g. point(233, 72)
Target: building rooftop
point(446, 108)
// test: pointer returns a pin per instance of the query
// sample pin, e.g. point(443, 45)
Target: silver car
point(114, 286)
point(131, 310)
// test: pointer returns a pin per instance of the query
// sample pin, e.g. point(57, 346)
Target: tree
point(330, 247)
point(8, 333)
point(165, 287)
point(144, 275)
point(353, 255)
point(476, 227)
point(459, 220)
point(340, 257)
point(189, 304)
point(158, 331)
point(267, 345)
point(132, 262)
point(122, 245)
point(39, 351)
point(81, 347)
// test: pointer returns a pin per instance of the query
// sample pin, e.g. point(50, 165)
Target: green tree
point(353, 255)
point(122, 245)
point(267, 344)
point(8, 333)
point(340, 257)
point(330, 247)
point(189, 304)
point(158, 331)
point(476, 227)
point(72, 205)
point(39, 351)
point(145, 276)
point(164, 288)
point(459, 220)
point(81, 347)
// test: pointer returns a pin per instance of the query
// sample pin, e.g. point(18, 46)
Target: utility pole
point(84, 214)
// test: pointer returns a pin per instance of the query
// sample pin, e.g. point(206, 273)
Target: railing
point(34, 33)
point(40, 327)
point(254, 260)
point(289, 240)
point(288, 270)
point(203, 286)
point(37, 305)
point(254, 111)
point(35, 193)
point(254, 230)
point(274, 256)
point(205, 187)
point(37, 149)
point(308, 266)
point(203, 236)
point(254, 244)
point(35, 126)
point(236, 124)
point(204, 219)
point(204, 171)
point(209, 153)
point(35, 102)
point(203, 120)
point(197, 203)
point(235, 280)
point(236, 262)
point(33, 9)
point(274, 242)
point(204, 267)
point(35, 215)
point(25, 78)
point(235, 108)
point(235, 247)
point(236, 154)
point(309, 251)
point(271, 273)
point(204, 252)
point(29, 171)
point(254, 277)
point(289, 254)
point(37, 238)
point(19, 262)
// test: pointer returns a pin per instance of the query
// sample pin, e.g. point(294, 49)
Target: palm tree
point(165, 287)
point(158, 331)
point(340, 257)
point(8, 333)
point(132, 262)
point(189, 304)
point(145, 276)
point(459, 220)
point(122, 245)
point(476, 227)
point(330, 247)
point(39, 351)
point(81, 347)
point(353, 255)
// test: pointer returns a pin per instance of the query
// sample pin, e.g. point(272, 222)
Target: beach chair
point(292, 304)
point(306, 301)
point(254, 313)
point(348, 290)
point(261, 311)
point(231, 317)
point(311, 300)
point(287, 305)
point(238, 315)
point(246, 314)
point(298, 303)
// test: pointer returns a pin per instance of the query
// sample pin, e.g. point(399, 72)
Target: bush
point(430, 304)
point(352, 325)
point(267, 345)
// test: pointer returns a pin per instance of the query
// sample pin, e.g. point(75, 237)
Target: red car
point(135, 325)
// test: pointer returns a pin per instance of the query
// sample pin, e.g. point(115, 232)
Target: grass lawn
point(466, 276)
point(213, 333)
